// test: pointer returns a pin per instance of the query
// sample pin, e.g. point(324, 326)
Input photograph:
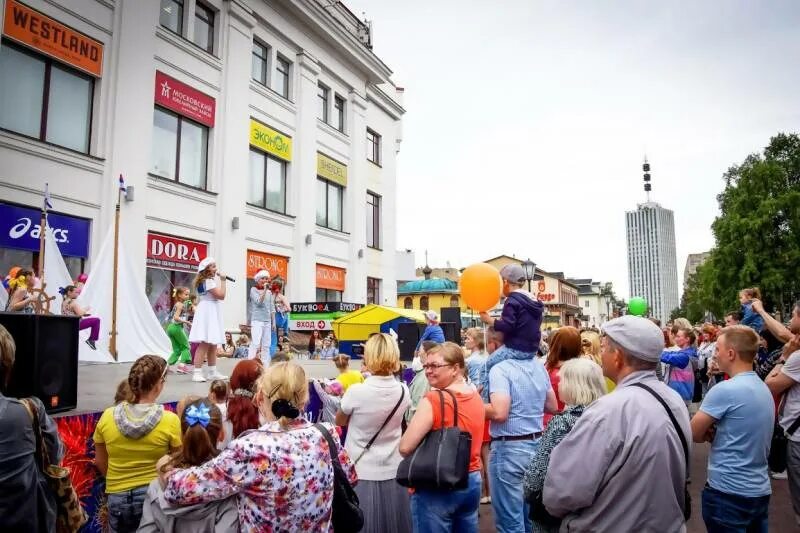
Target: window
point(373, 291)
point(373, 220)
point(338, 106)
point(267, 182)
point(423, 303)
point(586, 303)
point(408, 302)
point(322, 103)
point(180, 149)
point(328, 295)
point(281, 81)
point(45, 100)
point(171, 15)
point(373, 147)
point(204, 28)
point(454, 301)
point(259, 67)
point(329, 204)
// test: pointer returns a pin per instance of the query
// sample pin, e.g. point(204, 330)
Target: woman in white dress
point(207, 327)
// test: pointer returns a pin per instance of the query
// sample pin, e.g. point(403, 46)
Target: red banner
point(185, 100)
point(174, 253)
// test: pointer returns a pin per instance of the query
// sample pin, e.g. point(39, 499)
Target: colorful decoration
point(480, 286)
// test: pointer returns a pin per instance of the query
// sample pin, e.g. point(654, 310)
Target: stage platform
point(97, 383)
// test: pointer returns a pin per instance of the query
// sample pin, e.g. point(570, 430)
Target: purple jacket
point(521, 322)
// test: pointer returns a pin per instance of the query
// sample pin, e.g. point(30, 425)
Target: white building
point(692, 262)
point(262, 132)
point(652, 267)
point(596, 306)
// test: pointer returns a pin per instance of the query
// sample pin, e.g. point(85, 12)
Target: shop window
point(260, 60)
point(267, 182)
point(423, 303)
point(281, 82)
point(171, 15)
point(454, 301)
point(158, 287)
point(180, 149)
point(373, 291)
point(373, 220)
point(328, 295)
point(408, 302)
point(43, 99)
point(204, 28)
point(322, 102)
point(329, 204)
point(373, 147)
point(338, 110)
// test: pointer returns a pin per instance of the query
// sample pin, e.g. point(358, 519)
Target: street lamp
point(530, 271)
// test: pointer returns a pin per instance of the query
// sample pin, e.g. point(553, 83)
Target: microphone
point(228, 278)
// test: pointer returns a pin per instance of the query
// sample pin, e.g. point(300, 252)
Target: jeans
point(434, 511)
point(728, 513)
point(507, 463)
point(125, 510)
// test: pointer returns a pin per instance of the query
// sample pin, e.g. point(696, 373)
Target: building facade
point(652, 266)
point(429, 293)
point(264, 133)
point(596, 305)
point(692, 262)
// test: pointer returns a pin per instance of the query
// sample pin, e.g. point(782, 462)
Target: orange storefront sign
point(276, 265)
point(329, 277)
point(37, 30)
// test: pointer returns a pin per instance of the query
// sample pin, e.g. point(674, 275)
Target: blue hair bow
point(195, 415)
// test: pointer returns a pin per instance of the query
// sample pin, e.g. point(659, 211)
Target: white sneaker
point(216, 375)
point(198, 378)
point(778, 475)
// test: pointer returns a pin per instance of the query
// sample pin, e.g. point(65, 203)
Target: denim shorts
point(125, 510)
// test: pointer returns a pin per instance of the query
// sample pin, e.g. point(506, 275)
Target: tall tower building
point(652, 266)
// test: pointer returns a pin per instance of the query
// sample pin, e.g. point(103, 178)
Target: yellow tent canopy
point(360, 324)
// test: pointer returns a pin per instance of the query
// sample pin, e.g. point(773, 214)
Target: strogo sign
point(276, 265)
point(329, 277)
point(173, 253)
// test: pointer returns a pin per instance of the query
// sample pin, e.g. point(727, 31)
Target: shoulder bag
point(70, 516)
point(687, 498)
point(441, 461)
point(346, 515)
point(375, 436)
point(779, 445)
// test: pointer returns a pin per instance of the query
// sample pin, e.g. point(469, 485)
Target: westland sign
point(20, 228)
point(184, 100)
point(174, 253)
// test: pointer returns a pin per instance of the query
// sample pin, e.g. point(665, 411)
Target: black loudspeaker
point(452, 331)
point(46, 363)
point(451, 314)
point(408, 334)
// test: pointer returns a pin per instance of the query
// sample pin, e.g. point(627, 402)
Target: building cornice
point(385, 102)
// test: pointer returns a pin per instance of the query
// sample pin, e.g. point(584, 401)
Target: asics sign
point(20, 227)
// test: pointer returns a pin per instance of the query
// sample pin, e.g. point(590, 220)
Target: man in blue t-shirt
point(737, 417)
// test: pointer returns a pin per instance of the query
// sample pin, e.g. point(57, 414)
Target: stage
point(97, 383)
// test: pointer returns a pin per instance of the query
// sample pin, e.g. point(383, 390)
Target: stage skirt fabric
point(207, 325)
point(386, 506)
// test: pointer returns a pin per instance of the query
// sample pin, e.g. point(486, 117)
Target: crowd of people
point(563, 431)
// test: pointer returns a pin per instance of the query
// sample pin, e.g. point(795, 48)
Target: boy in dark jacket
point(520, 323)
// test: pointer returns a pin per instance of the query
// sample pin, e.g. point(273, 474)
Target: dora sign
point(36, 30)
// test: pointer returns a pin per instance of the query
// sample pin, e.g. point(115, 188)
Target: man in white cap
point(262, 317)
point(623, 467)
point(433, 331)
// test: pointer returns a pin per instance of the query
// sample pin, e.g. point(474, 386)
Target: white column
point(231, 169)
point(303, 175)
point(355, 205)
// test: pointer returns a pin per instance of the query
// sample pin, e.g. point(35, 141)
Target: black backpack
point(346, 516)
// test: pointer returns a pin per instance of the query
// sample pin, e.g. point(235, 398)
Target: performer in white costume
point(207, 326)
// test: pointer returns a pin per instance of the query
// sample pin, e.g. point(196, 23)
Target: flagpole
point(112, 345)
point(42, 230)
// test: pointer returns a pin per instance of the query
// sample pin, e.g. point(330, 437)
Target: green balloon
point(637, 306)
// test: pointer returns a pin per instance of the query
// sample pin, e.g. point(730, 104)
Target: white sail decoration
point(3, 296)
point(56, 276)
point(138, 329)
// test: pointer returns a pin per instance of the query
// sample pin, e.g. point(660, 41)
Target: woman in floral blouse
point(282, 472)
point(581, 383)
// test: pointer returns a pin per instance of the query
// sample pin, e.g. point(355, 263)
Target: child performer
point(70, 307)
point(207, 327)
point(282, 308)
point(262, 317)
point(176, 333)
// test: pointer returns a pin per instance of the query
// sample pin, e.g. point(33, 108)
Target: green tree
point(757, 232)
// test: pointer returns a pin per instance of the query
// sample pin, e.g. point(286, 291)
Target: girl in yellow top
point(590, 346)
point(346, 376)
point(129, 440)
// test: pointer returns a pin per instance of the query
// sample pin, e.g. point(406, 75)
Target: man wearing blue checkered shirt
point(520, 393)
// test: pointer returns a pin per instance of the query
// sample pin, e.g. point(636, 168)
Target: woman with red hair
point(242, 411)
point(565, 344)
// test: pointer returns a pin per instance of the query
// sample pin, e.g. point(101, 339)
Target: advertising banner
point(20, 227)
point(174, 253)
point(184, 100)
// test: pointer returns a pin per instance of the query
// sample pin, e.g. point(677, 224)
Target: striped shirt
point(527, 383)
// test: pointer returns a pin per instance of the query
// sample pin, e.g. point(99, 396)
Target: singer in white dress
point(207, 326)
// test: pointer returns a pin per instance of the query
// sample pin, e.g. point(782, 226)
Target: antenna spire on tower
point(646, 177)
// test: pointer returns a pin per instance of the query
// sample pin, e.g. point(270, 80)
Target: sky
point(527, 121)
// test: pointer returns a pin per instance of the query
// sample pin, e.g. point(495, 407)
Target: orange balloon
point(480, 286)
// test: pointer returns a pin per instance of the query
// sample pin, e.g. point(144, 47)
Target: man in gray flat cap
point(623, 465)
